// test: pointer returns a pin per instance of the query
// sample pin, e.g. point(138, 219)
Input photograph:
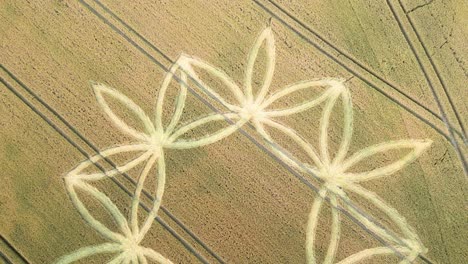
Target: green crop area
point(263, 131)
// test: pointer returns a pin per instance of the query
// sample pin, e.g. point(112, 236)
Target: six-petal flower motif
point(332, 171)
point(148, 147)
point(256, 107)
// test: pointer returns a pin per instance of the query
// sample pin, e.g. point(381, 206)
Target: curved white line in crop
point(332, 168)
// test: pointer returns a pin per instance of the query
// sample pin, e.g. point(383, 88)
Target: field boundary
point(429, 82)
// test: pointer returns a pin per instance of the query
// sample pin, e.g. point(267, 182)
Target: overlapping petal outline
point(253, 108)
point(151, 143)
point(331, 170)
point(337, 181)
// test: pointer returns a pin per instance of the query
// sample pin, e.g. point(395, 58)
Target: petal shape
point(138, 190)
point(89, 251)
point(190, 65)
point(417, 147)
point(157, 201)
point(179, 100)
point(100, 90)
point(329, 87)
point(290, 157)
point(78, 172)
point(267, 38)
point(107, 204)
point(312, 226)
point(339, 91)
point(78, 178)
point(175, 142)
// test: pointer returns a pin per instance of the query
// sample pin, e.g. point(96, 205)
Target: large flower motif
point(148, 147)
point(256, 107)
point(334, 173)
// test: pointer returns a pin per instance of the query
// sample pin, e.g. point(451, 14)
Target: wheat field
point(263, 131)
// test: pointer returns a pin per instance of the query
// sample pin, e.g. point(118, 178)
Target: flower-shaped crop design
point(148, 147)
point(332, 170)
point(256, 108)
point(150, 143)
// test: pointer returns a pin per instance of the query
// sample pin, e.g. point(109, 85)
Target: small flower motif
point(148, 148)
point(256, 107)
point(334, 172)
